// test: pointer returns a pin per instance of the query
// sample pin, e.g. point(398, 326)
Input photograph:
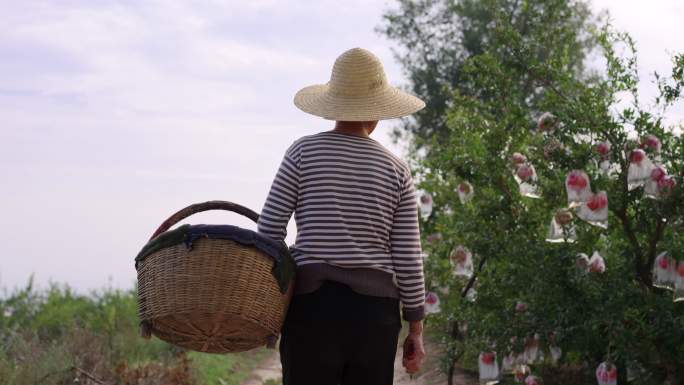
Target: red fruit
point(651, 141)
point(518, 158)
point(658, 173)
point(680, 268)
point(546, 121)
point(664, 262)
point(582, 262)
point(464, 188)
point(612, 373)
point(577, 180)
point(459, 255)
point(598, 201)
point(488, 358)
point(525, 172)
point(426, 199)
point(563, 217)
point(431, 298)
point(637, 156)
point(520, 307)
point(603, 148)
point(666, 183)
point(436, 237)
point(597, 266)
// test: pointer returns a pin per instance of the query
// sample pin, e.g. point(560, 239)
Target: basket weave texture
point(219, 296)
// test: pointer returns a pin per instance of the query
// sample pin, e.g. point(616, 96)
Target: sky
point(115, 114)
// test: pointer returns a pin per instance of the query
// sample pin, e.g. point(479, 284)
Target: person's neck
point(351, 128)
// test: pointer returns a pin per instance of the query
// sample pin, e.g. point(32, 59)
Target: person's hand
point(414, 351)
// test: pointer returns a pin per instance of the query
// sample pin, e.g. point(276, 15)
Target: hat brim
point(389, 103)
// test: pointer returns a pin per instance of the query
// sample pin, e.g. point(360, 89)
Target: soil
point(268, 369)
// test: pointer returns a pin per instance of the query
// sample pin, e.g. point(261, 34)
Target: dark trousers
point(335, 336)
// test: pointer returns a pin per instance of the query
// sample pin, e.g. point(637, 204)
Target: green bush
point(55, 336)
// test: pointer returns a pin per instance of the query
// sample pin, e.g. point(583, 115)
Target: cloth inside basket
point(283, 268)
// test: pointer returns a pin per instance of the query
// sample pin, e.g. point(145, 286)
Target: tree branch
point(661, 224)
point(634, 243)
point(87, 375)
point(472, 279)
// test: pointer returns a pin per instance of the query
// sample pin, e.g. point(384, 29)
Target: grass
point(230, 369)
point(56, 336)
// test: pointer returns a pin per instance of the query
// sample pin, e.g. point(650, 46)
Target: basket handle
point(205, 206)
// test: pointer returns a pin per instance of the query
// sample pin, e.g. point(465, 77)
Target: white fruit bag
point(596, 263)
point(651, 187)
point(465, 192)
point(531, 352)
point(526, 176)
point(431, 303)
point(639, 171)
point(561, 228)
point(595, 210)
point(652, 143)
point(577, 187)
point(425, 205)
point(664, 271)
point(508, 363)
point(679, 282)
point(488, 366)
point(547, 122)
point(520, 372)
point(462, 262)
point(606, 374)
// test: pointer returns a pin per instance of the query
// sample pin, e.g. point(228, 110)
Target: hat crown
point(358, 91)
point(357, 73)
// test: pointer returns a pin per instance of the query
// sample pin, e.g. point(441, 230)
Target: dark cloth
point(335, 336)
point(362, 280)
point(283, 268)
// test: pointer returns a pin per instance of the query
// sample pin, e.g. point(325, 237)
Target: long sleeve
point(281, 200)
point(407, 254)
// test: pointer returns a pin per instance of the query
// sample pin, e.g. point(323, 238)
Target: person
point(357, 250)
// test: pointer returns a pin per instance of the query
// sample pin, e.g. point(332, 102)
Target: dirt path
point(270, 369)
point(430, 373)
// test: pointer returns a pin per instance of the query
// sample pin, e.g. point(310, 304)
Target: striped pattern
point(355, 207)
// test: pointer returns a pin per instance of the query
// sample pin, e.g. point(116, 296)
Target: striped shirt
point(355, 208)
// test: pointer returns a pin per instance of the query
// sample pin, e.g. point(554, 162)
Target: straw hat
point(358, 90)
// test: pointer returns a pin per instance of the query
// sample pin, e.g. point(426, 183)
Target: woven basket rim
point(179, 235)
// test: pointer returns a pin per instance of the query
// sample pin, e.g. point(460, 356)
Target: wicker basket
point(218, 296)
